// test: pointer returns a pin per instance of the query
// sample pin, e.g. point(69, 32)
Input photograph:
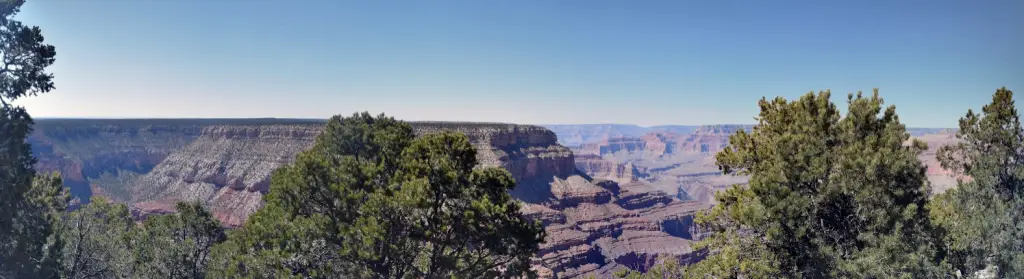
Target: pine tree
point(28, 205)
point(982, 218)
point(829, 196)
point(96, 241)
point(371, 200)
point(178, 245)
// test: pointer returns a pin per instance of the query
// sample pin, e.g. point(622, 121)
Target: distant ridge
point(579, 134)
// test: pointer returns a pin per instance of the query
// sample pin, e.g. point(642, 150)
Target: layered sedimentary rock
point(227, 167)
point(658, 143)
point(603, 226)
point(703, 139)
point(530, 153)
point(622, 210)
point(600, 168)
point(575, 135)
point(613, 145)
point(107, 154)
point(709, 139)
point(85, 152)
point(594, 227)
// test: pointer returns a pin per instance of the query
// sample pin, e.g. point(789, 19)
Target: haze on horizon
point(532, 62)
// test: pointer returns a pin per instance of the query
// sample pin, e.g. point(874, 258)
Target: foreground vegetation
point(833, 197)
point(829, 197)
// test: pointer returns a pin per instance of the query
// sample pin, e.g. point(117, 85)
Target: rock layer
point(600, 168)
point(626, 209)
point(227, 167)
point(595, 226)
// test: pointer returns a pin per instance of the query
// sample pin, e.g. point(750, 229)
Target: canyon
point(610, 197)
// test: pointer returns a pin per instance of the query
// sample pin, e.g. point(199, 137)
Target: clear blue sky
point(542, 62)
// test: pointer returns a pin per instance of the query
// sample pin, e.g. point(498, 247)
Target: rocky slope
point(709, 139)
point(574, 135)
point(611, 146)
point(530, 153)
point(111, 151)
point(703, 139)
point(625, 205)
point(685, 167)
point(227, 167)
point(600, 168)
point(595, 225)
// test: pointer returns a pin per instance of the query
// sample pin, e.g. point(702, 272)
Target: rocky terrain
point(596, 224)
point(111, 152)
point(624, 200)
point(574, 135)
point(228, 167)
point(682, 164)
point(600, 168)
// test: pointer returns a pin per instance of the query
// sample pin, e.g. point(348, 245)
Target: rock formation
point(709, 139)
point(595, 226)
point(626, 205)
point(227, 167)
point(574, 135)
point(600, 168)
point(112, 151)
point(612, 145)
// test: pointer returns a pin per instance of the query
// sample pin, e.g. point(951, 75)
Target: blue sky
point(539, 62)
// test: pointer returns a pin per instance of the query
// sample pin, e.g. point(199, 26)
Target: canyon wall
point(226, 167)
point(595, 225)
point(683, 164)
point(112, 152)
point(626, 201)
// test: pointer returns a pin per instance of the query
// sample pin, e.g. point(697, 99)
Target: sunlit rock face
point(595, 225)
point(626, 202)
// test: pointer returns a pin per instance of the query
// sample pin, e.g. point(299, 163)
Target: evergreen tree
point(96, 241)
point(370, 200)
point(982, 218)
point(829, 197)
point(28, 205)
point(176, 245)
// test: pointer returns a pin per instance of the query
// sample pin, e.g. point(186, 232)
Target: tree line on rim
point(829, 197)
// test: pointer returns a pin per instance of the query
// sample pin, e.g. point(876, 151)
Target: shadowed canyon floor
point(619, 197)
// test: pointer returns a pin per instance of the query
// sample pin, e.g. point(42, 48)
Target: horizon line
point(325, 119)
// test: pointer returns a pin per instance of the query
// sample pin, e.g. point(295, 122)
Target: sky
point(651, 62)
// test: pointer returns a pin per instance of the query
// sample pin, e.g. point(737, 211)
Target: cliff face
point(84, 153)
point(227, 167)
point(666, 141)
point(107, 154)
point(574, 135)
point(625, 205)
point(600, 168)
point(594, 226)
point(613, 145)
point(530, 153)
point(709, 139)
